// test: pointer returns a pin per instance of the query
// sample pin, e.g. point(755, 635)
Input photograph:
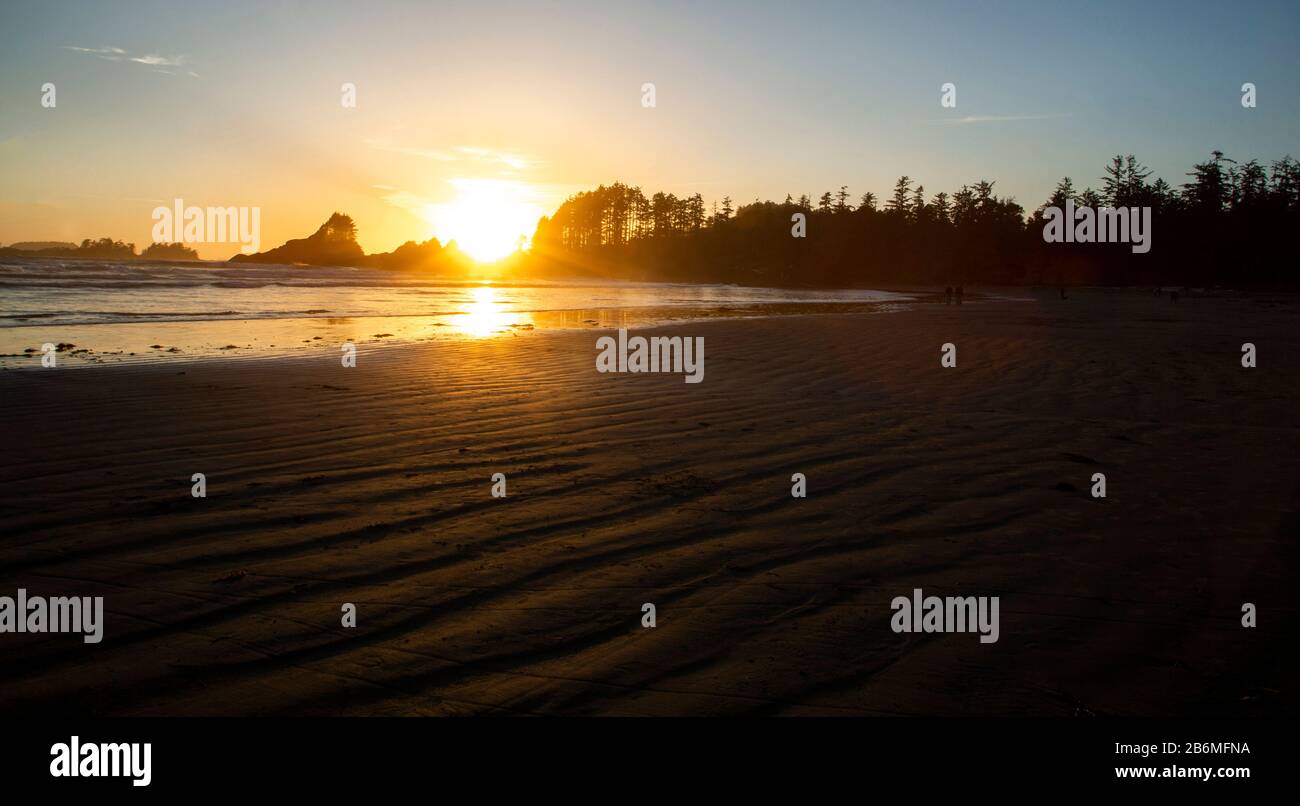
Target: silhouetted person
point(1173, 295)
point(947, 295)
point(1062, 292)
point(959, 295)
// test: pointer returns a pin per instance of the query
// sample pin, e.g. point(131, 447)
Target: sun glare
point(483, 315)
point(488, 219)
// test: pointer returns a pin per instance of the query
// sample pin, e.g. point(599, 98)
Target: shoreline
point(405, 330)
point(223, 338)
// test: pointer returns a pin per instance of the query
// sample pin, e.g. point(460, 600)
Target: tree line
point(1227, 224)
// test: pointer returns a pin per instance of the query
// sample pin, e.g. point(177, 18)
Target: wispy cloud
point(969, 119)
point(155, 60)
point(508, 159)
point(112, 54)
point(405, 200)
point(384, 144)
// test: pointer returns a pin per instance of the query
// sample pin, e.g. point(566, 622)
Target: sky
point(463, 108)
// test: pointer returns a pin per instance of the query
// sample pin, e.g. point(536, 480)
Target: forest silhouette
point(1230, 223)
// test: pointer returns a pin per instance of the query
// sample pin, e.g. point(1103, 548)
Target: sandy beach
point(371, 485)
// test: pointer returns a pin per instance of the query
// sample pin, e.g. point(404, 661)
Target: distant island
point(335, 244)
point(36, 246)
point(102, 249)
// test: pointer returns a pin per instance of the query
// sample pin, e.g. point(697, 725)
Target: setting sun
point(488, 219)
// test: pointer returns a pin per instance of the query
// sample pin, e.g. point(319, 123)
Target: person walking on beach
point(1063, 292)
point(959, 295)
point(947, 294)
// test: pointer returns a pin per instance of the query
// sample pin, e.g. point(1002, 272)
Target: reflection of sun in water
point(488, 219)
point(483, 315)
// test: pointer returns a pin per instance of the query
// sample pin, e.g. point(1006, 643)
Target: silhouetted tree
point(169, 251)
point(1124, 183)
point(898, 202)
point(942, 211)
point(842, 200)
point(1209, 189)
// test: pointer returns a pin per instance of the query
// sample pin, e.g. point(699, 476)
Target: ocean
point(105, 312)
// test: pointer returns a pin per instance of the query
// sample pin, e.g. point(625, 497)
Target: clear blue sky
point(238, 103)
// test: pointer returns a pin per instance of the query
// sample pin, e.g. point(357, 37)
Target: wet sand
point(372, 485)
